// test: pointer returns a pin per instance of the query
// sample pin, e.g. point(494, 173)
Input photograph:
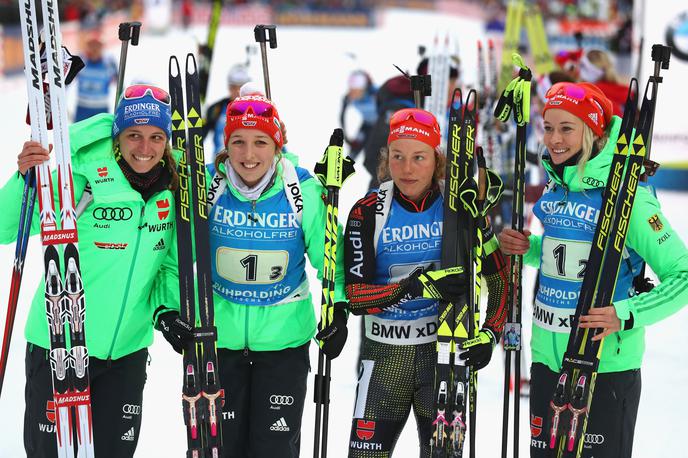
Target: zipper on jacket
point(246, 332)
point(618, 342)
point(126, 289)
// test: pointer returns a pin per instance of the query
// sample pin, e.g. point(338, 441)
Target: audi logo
point(280, 400)
point(594, 439)
point(592, 182)
point(131, 409)
point(112, 213)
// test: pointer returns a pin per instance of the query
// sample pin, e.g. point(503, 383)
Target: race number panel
point(564, 259)
point(251, 266)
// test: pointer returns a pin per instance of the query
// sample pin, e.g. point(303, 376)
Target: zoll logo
point(102, 172)
point(281, 400)
point(131, 409)
point(163, 208)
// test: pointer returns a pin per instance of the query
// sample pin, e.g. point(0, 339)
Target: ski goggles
point(420, 116)
point(570, 90)
point(261, 108)
point(138, 91)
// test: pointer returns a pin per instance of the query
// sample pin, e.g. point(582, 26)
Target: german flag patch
point(655, 223)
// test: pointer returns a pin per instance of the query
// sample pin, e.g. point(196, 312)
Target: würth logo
point(365, 430)
point(535, 426)
point(50, 411)
point(102, 172)
point(163, 208)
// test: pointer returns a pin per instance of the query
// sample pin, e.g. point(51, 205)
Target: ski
point(332, 171)
point(202, 396)
point(205, 52)
point(64, 293)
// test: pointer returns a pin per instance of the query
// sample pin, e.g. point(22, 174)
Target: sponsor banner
point(552, 319)
point(401, 332)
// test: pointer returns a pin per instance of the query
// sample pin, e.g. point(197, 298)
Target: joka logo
point(129, 435)
point(655, 223)
point(535, 426)
point(102, 172)
point(50, 411)
point(163, 208)
point(365, 430)
point(160, 245)
point(280, 425)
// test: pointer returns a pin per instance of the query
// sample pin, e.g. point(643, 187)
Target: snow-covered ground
point(308, 72)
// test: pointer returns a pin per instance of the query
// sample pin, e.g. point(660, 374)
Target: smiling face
point(563, 134)
point(142, 147)
point(411, 166)
point(251, 154)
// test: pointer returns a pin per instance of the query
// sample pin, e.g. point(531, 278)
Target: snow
point(308, 72)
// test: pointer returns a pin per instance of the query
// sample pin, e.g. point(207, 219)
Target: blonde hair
point(589, 140)
point(601, 60)
point(383, 165)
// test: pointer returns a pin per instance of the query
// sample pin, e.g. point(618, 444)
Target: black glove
point(176, 331)
point(334, 335)
point(447, 284)
point(478, 350)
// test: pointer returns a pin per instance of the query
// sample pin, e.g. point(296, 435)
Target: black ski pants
point(613, 412)
point(265, 393)
point(116, 397)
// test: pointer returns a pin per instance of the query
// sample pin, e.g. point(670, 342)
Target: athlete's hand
point(333, 337)
point(601, 317)
point(176, 331)
point(478, 351)
point(514, 242)
point(447, 284)
point(32, 154)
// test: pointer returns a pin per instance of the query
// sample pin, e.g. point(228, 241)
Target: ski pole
point(264, 34)
point(516, 98)
point(127, 31)
point(332, 170)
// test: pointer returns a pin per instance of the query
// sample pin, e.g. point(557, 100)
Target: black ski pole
point(422, 87)
point(128, 31)
point(265, 34)
point(332, 171)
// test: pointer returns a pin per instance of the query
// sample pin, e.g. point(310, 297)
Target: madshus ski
point(455, 383)
point(570, 404)
point(64, 293)
point(202, 397)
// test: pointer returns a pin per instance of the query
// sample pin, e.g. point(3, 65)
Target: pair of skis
point(64, 293)
point(455, 382)
point(570, 404)
point(202, 397)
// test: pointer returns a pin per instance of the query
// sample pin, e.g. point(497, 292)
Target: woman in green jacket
point(267, 215)
point(128, 265)
point(580, 136)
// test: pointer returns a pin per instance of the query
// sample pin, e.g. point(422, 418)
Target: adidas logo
point(279, 425)
point(593, 116)
point(129, 435)
point(160, 245)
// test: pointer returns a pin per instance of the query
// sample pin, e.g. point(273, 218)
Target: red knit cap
point(583, 100)
point(254, 112)
point(414, 124)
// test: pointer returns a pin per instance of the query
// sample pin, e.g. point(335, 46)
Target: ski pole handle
point(660, 56)
point(266, 34)
point(128, 31)
point(421, 86)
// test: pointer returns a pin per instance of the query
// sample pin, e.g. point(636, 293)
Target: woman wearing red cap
point(267, 214)
point(580, 136)
point(392, 255)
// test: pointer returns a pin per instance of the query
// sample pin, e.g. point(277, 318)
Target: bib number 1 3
point(243, 266)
